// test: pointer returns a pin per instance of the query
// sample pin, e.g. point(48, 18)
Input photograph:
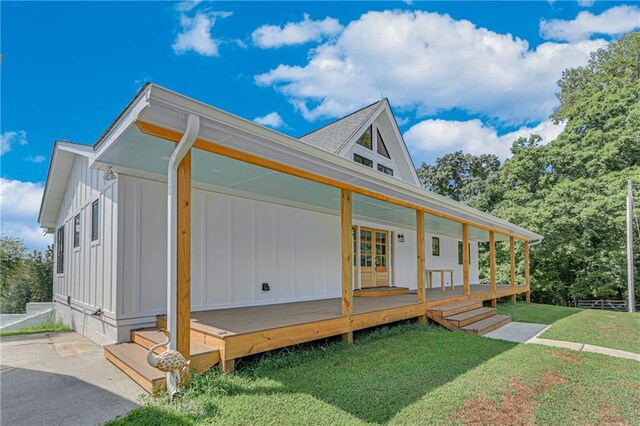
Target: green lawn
point(45, 327)
point(410, 374)
point(536, 313)
point(617, 330)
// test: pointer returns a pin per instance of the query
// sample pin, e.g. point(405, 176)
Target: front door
point(374, 270)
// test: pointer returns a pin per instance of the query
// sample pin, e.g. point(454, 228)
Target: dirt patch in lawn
point(608, 417)
point(613, 328)
point(571, 358)
point(516, 406)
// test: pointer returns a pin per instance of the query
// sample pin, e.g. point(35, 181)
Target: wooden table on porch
point(430, 272)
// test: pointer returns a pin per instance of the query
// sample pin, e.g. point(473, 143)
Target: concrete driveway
point(60, 379)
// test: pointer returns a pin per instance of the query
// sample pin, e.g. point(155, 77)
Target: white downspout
point(187, 140)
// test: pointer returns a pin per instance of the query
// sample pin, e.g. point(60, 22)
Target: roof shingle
point(333, 136)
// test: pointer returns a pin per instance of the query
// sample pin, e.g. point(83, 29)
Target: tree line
point(25, 276)
point(571, 190)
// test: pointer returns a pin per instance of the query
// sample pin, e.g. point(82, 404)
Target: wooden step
point(469, 317)
point(132, 359)
point(380, 291)
point(486, 325)
point(203, 357)
point(455, 308)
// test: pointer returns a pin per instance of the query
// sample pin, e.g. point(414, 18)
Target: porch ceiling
point(148, 156)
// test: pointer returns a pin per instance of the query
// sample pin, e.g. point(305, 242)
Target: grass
point(409, 374)
point(617, 330)
point(536, 313)
point(45, 327)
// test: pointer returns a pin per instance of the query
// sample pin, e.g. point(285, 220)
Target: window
point(362, 160)
point(460, 253)
point(95, 220)
point(382, 148)
point(60, 250)
point(76, 231)
point(385, 169)
point(365, 139)
point(435, 246)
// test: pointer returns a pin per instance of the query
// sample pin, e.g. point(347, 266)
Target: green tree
point(24, 276)
point(600, 104)
point(572, 190)
point(459, 176)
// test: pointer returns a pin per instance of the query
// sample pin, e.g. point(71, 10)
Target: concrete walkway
point(61, 379)
point(584, 347)
point(522, 332)
point(518, 332)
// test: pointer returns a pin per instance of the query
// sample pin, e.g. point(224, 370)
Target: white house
point(265, 223)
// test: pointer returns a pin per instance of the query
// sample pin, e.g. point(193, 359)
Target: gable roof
point(335, 135)
point(62, 158)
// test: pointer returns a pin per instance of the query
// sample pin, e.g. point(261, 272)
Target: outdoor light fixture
point(109, 175)
point(401, 238)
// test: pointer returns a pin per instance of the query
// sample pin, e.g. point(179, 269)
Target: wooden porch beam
point(420, 256)
point(183, 298)
point(492, 266)
point(209, 146)
point(465, 259)
point(512, 252)
point(347, 252)
point(527, 280)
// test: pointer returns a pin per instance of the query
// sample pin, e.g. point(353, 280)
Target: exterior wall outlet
point(265, 287)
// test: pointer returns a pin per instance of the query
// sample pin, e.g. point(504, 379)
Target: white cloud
point(185, 6)
point(472, 136)
point(402, 121)
point(19, 207)
point(270, 36)
point(273, 119)
point(586, 3)
point(428, 62)
point(196, 34)
point(7, 139)
point(36, 159)
point(613, 21)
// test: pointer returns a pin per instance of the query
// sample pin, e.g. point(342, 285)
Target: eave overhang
point(62, 158)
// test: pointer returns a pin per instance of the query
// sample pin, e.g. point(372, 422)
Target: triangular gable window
point(365, 139)
point(382, 149)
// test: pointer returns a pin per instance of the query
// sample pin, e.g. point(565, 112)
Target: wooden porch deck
point(239, 332)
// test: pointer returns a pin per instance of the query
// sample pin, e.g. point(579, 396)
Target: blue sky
point(460, 75)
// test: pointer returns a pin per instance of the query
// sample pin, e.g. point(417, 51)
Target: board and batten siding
point(238, 244)
point(88, 281)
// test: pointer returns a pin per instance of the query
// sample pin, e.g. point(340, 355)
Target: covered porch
point(217, 152)
point(239, 332)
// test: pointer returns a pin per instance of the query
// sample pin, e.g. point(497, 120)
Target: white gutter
point(535, 243)
point(188, 138)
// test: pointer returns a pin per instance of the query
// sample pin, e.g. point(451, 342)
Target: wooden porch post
point(512, 250)
point(183, 298)
point(465, 259)
point(347, 258)
point(492, 266)
point(420, 260)
point(526, 271)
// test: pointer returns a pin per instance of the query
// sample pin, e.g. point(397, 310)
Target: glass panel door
point(381, 270)
point(367, 276)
